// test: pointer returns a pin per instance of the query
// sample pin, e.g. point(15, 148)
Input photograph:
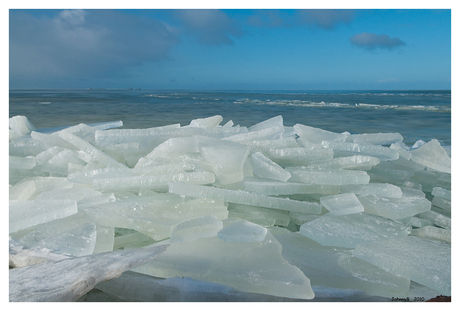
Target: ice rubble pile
point(268, 209)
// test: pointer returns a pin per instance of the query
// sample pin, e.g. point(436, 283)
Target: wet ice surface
point(260, 213)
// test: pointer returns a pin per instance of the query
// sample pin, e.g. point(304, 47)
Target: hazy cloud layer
point(268, 18)
point(372, 41)
point(325, 18)
point(93, 43)
point(212, 27)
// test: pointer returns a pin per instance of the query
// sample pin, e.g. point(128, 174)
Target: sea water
point(414, 114)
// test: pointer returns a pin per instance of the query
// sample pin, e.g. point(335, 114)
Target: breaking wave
point(302, 103)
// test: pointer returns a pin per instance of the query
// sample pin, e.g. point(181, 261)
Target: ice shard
point(226, 158)
point(298, 156)
point(266, 168)
point(351, 230)
point(432, 232)
point(242, 231)
point(342, 204)
point(349, 148)
point(406, 206)
point(335, 267)
point(90, 149)
point(317, 135)
point(38, 212)
point(433, 156)
point(254, 267)
point(272, 187)
point(376, 138)
point(327, 176)
point(156, 215)
point(243, 197)
point(422, 260)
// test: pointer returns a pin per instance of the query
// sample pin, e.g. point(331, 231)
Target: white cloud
point(373, 41)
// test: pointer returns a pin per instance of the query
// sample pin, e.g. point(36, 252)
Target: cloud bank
point(211, 27)
point(79, 44)
point(325, 18)
point(373, 41)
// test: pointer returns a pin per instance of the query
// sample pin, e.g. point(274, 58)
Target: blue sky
point(236, 49)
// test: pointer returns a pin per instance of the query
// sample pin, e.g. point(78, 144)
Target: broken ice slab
point(298, 156)
point(348, 148)
point(197, 228)
point(174, 168)
point(24, 214)
point(301, 218)
point(424, 261)
point(376, 138)
point(254, 267)
point(379, 174)
point(121, 136)
point(403, 149)
point(351, 230)
point(46, 183)
point(207, 122)
point(174, 146)
point(22, 191)
point(242, 231)
point(271, 187)
point(263, 134)
point(128, 240)
point(19, 126)
point(264, 146)
point(69, 279)
point(21, 163)
point(226, 158)
point(59, 163)
point(432, 232)
point(336, 267)
point(406, 206)
point(317, 135)
point(154, 216)
point(87, 177)
point(259, 215)
point(269, 123)
point(243, 197)
point(352, 162)
point(327, 176)
point(342, 204)
point(379, 189)
point(442, 203)
point(24, 146)
point(152, 137)
point(104, 239)
point(415, 222)
point(432, 155)
point(266, 168)
point(46, 155)
point(82, 131)
point(442, 193)
point(430, 179)
point(156, 182)
point(91, 150)
point(73, 235)
point(77, 193)
point(437, 219)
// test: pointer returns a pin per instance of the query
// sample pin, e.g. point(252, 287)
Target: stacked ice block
point(293, 212)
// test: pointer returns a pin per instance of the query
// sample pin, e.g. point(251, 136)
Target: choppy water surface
point(415, 114)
